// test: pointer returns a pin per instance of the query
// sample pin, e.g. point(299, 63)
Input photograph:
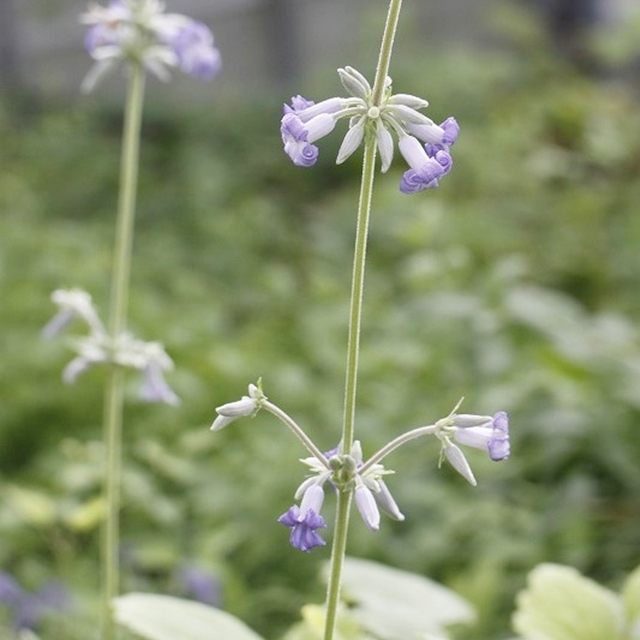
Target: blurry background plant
point(516, 285)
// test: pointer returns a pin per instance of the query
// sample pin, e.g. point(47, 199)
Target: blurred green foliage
point(514, 284)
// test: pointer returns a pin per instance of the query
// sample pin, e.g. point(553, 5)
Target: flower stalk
point(114, 391)
point(355, 322)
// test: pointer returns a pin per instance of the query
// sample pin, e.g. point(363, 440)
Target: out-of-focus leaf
point(312, 626)
point(86, 516)
point(631, 597)
point(561, 604)
point(34, 507)
point(157, 617)
point(396, 605)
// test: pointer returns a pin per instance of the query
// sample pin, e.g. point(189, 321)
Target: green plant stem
point(357, 292)
point(338, 550)
point(355, 322)
point(386, 48)
point(114, 391)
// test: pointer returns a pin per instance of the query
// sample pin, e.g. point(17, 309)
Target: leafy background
point(514, 284)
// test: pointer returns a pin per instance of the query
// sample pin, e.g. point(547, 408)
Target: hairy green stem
point(297, 431)
point(355, 322)
point(114, 390)
point(388, 448)
point(386, 48)
point(338, 550)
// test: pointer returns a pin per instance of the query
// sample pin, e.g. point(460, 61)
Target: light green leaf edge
point(395, 605)
point(158, 617)
point(631, 598)
point(561, 604)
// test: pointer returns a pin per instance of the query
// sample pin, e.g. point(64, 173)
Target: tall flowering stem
point(355, 322)
point(114, 392)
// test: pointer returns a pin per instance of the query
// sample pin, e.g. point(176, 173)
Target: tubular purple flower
point(298, 103)
point(193, 46)
point(492, 437)
point(312, 499)
point(305, 520)
point(425, 171)
point(444, 134)
point(307, 109)
point(298, 136)
point(451, 130)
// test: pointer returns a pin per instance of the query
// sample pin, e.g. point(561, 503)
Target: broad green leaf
point(631, 597)
point(157, 617)
point(397, 605)
point(561, 604)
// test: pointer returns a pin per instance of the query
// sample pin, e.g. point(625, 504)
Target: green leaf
point(561, 604)
point(157, 617)
point(631, 596)
point(396, 605)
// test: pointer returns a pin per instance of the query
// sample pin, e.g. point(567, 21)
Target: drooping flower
point(125, 351)
point(246, 406)
point(487, 433)
point(141, 31)
point(492, 436)
point(72, 303)
point(428, 156)
point(305, 520)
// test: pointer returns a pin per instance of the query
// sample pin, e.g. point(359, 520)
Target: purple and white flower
point(424, 144)
point(141, 31)
point(487, 433)
point(343, 473)
point(305, 520)
point(491, 436)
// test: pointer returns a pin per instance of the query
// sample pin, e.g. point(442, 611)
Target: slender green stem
point(388, 448)
point(355, 322)
point(357, 291)
point(114, 390)
point(296, 430)
point(337, 560)
point(386, 48)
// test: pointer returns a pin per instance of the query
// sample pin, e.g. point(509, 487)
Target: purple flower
point(193, 46)
point(200, 585)
point(142, 32)
point(428, 164)
point(492, 437)
point(298, 136)
point(27, 609)
point(305, 519)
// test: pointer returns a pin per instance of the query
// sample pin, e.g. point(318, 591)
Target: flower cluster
point(140, 30)
point(98, 347)
point(348, 472)
point(343, 472)
point(424, 144)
